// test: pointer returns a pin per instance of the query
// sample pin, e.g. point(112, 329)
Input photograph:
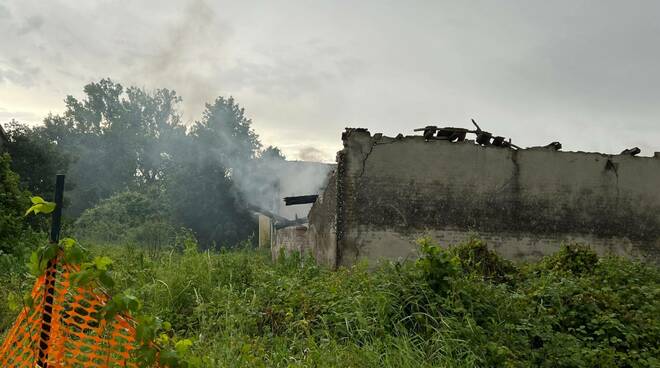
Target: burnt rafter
point(454, 134)
point(291, 201)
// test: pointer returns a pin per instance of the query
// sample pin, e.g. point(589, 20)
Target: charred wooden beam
point(291, 201)
point(631, 151)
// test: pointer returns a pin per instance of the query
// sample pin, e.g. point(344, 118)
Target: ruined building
point(387, 192)
point(285, 178)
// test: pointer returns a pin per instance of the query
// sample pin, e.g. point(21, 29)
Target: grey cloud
point(31, 24)
point(598, 56)
point(290, 78)
point(311, 154)
point(4, 12)
point(536, 71)
point(21, 116)
point(19, 72)
point(189, 55)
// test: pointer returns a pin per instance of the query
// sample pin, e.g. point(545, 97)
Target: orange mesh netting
point(63, 328)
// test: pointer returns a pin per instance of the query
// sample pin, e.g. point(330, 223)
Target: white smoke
point(266, 181)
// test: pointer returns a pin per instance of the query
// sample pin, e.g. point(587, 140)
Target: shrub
point(15, 232)
point(575, 258)
point(129, 217)
point(437, 265)
point(476, 258)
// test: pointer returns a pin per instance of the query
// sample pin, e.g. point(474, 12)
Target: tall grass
point(241, 309)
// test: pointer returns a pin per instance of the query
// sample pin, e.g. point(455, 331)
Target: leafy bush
point(575, 258)
point(17, 239)
point(129, 217)
point(16, 234)
point(13, 201)
point(436, 265)
point(35, 158)
point(476, 258)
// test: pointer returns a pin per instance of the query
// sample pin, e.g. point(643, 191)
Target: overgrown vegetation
point(128, 217)
point(448, 309)
point(17, 236)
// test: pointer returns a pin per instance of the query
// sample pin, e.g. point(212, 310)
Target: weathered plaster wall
point(265, 231)
point(290, 239)
point(322, 219)
point(525, 203)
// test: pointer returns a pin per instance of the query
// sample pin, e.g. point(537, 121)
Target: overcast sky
point(586, 73)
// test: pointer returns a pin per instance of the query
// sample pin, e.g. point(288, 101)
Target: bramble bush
point(575, 258)
point(476, 259)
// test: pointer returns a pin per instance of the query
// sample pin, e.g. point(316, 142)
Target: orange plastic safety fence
point(63, 328)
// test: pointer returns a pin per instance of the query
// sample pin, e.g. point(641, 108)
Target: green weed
point(461, 307)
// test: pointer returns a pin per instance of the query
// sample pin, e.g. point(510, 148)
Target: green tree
point(201, 186)
point(118, 138)
point(272, 153)
point(35, 158)
point(13, 203)
point(226, 132)
point(202, 197)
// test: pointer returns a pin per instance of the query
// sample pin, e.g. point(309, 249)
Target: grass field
point(461, 308)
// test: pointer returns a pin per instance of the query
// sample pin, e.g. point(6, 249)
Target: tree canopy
point(116, 139)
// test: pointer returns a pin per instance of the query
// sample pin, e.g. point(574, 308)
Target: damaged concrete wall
point(265, 231)
point(317, 237)
point(524, 203)
point(322, 219)
point(290, 239)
